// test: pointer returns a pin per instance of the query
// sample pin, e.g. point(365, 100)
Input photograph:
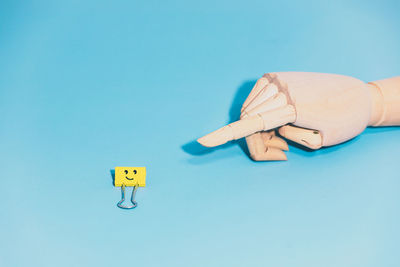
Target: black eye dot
point(126, 171)
point(134, 171)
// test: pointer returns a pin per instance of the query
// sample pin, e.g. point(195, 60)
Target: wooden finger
point(252, 124)
point(277, 101)
point(270, 140)
point(260, 152)
point(266, 93)
point(306, 137)
point(258, 87)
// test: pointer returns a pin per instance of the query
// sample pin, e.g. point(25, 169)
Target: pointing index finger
point(249, 125)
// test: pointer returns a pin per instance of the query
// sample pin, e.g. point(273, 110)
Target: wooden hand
point(312, 109)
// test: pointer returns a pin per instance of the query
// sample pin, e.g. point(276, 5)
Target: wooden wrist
point(385, 95)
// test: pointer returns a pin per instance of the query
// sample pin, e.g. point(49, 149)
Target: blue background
point(89, 85)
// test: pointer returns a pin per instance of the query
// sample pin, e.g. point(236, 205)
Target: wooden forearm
point(385, 102)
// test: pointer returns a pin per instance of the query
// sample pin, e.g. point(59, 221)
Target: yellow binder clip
point(129, 176)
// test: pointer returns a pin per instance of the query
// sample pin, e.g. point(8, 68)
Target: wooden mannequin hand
point(312, 109)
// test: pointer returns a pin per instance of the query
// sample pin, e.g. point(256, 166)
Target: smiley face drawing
point(130, 176)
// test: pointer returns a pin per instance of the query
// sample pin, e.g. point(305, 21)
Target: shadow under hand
point(195, 149)
point(234, 112)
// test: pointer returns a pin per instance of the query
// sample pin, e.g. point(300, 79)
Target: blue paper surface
point(86, 86)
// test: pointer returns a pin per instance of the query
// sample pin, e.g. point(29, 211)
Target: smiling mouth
point(128, 178)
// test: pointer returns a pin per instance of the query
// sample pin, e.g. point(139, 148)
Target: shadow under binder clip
point(129, 176)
